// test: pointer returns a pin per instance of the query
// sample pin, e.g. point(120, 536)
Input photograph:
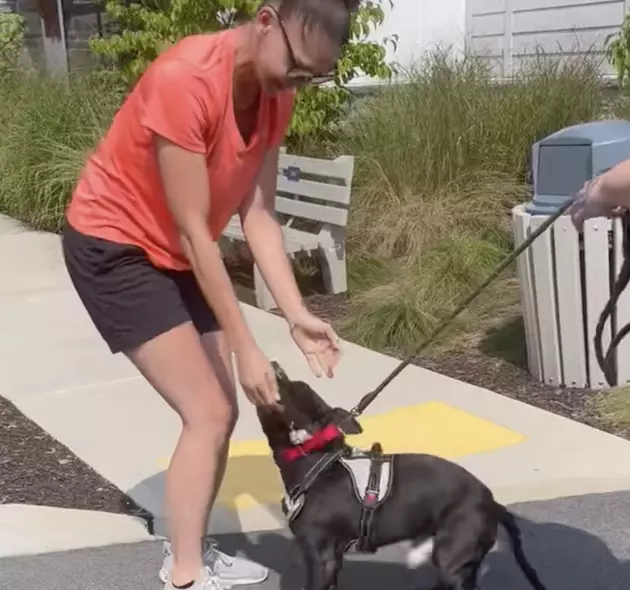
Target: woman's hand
point(256, 376)
point(317, 341)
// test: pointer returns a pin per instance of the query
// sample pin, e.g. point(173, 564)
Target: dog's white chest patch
point(359, 469)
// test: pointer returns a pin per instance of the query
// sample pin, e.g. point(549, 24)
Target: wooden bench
point(313, 197)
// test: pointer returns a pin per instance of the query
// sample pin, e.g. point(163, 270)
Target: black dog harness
point(371, 488)
point(374, 495)
point(295, 499)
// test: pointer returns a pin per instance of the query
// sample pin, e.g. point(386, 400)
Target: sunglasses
point(297, 73)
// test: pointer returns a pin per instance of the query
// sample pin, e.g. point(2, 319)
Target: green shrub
point(12, 28)
point(618, 50)
point(409, 297)
point(49, 127)
point(441, 161)
point(146, 29)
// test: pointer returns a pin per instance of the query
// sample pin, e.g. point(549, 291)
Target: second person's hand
point(256, 376)
point(593, 200)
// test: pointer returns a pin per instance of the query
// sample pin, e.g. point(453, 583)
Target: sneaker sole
point(163, 575)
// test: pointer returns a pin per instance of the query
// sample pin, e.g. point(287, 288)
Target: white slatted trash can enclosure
point(565, 281)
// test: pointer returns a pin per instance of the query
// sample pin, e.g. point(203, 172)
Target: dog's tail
point(506, 518)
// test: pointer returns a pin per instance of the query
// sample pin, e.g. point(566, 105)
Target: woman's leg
point(231, 570)
point(218, 353)
point(176, 365)
point(155, 317)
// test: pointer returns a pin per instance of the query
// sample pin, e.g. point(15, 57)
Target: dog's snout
point(279, 372)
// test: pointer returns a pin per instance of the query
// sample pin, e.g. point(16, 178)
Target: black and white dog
point(338, 497)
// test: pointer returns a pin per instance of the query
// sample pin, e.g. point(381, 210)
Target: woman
point(196, 142)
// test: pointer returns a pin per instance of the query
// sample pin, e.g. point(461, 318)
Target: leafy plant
point(320, 109)
point(144, 29)
point(618, 50)
point(49, 126)
point(12, 29)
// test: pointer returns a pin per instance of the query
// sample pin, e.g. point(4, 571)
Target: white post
point(55, 47)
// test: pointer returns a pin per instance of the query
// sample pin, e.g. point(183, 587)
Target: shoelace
point(210, 580)
point(213, 555)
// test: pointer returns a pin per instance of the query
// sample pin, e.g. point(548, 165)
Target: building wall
point(511, 32)
point(84, 19)
point(47, 46)
point(421, 25)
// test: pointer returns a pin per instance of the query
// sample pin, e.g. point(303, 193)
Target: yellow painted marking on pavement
point(252, 478)
point(435, 428)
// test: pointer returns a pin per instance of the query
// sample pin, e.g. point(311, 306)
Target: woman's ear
point(264, 19)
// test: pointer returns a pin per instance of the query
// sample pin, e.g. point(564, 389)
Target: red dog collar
point(317, 441)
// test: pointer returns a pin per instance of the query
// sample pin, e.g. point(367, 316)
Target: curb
point(31, 530)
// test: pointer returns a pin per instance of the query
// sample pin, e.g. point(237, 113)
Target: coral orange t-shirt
point(184, 96)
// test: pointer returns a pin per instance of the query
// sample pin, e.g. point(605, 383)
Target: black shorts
point(130, 300)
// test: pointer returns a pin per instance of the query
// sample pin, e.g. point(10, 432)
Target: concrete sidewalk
point(58, 372)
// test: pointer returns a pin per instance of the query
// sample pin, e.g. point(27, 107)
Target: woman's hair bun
point(352, 5)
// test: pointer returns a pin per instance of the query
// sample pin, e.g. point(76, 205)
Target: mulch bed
point(37, 469)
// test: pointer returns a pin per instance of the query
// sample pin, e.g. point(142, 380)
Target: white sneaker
point(206, 581)
point(229, 570)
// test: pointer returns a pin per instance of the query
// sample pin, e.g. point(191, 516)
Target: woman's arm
point(264, 236)
point(185, 180)
point(315, 338)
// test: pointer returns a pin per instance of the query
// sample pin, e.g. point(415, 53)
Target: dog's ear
point(346, 421)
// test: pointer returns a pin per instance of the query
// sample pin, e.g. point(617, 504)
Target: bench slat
point(340, 168)
point(321, 213)
point(295, 240)
point(234, 231)
point(322, 180)
point(315, 190)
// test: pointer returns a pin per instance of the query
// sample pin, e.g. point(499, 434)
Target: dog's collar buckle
point(317, 441)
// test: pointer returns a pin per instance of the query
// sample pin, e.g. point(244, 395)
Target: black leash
point(607, 361)
point(367, 399)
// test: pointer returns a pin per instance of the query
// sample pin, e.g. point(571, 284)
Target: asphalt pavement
point(577, 543)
